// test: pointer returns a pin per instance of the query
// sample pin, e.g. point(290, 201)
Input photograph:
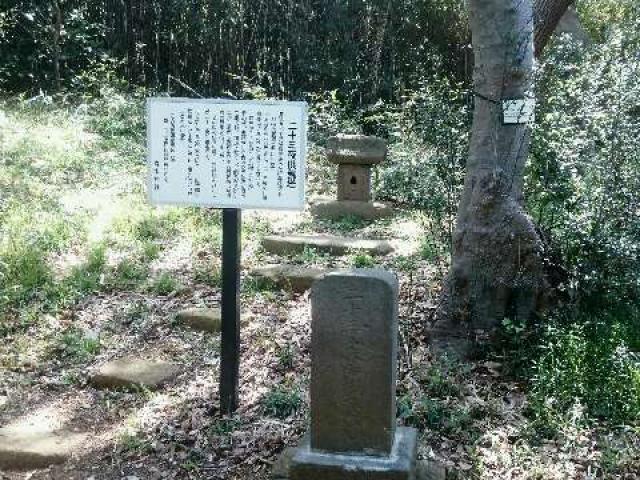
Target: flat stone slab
point(356, 149)
point(27, 450)
point(201, 319)
point(308, 464)
point(294, 277)
point(343, 208)
point(293, 244)
point(131, 372)
point(425, 469)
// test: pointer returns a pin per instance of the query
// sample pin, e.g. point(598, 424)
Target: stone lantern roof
point(356, 150)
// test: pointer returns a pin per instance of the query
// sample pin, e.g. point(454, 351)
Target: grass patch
point(74, 345)
point(309, 255)
point(206, 274)
point(132, 445)
point(128, 275)
point(254, 285)
point(164, 284)
point(347, 223)
point(282, 401)
point(224, 427)
point(286, 356)
point(588, 365)
point(89, 277)
point(363, 260)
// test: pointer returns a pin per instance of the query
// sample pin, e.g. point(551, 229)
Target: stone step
point(337, 209)
point(24, 449)
point(293, 244)
point(294, 277)
point(202, 319)
point(131, 372)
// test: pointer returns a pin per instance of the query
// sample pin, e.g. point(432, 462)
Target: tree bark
point(546, 15)
point(497, 269)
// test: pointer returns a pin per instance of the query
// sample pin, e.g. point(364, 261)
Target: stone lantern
point(355, 156)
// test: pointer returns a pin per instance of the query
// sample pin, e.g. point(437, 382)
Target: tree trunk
point(57, 33)
point(546, 15)
point(496, 267)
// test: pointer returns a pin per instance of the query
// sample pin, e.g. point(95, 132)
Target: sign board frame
point(517, 111)
point(151, 151)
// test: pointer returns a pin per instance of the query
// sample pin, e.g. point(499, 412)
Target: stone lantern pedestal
point(355, 156)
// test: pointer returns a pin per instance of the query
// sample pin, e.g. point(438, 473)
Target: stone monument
point(353, 433)
point(355, 156)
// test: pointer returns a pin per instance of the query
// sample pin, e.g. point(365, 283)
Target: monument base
point(306, 464)
point(342, 208)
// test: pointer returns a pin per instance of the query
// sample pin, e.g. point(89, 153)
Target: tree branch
point(546, 15)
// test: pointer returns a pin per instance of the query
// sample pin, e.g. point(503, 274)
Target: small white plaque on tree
point(519, 110)
point(226, 153)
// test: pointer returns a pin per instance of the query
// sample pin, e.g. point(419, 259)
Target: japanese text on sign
point(226, 153)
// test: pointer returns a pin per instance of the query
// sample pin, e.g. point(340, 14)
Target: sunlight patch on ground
point(45, 419)
point(407, 233)
point(104, 204)
point(177, 257)
point(279, 220)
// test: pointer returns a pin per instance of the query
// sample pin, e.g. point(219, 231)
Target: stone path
point(21, 448)
point(294, 277)
point(202, 319)
point(293, 244)
point(130, 372)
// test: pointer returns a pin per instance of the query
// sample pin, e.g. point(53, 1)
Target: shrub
point(428, 151)
point(590, 362)
point(582, 187)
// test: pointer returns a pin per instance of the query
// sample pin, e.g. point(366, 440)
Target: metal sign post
point(230, 341)
point(228, 154)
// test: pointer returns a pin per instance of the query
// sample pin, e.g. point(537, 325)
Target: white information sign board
point(521, 110)
point(226, 153)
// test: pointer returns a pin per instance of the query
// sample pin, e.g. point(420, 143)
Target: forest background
point(396, 69)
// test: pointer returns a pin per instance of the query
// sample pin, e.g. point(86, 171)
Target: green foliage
point(588, 361)
point(128, 275)
point(74, 344)
point(348, 223)
point(27, 29)
point(362, 260)
point(23, 273)
point(430, 249)
point(117, 115)
point(282, 401)
point(598, 16)
point(164, 284)
point(369, 49)
point(89, 276)
point(429, 150)
point(207, 274)
point(584, 175)
point(253, 285)
point(582, 188)
point(224, 427)
point(309, 255)
point(286, 355)
point(434, 414)
point(133, 444)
